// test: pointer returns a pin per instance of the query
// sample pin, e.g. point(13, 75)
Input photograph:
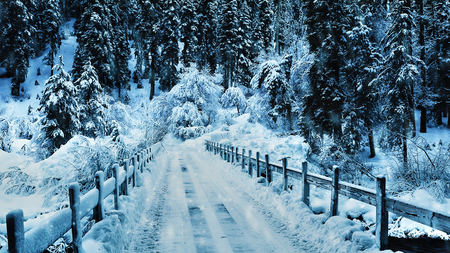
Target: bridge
point(197, 206)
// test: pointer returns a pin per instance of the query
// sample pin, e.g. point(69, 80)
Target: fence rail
point(39, 238)
point(378, 197)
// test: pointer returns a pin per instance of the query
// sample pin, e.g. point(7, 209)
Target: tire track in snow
point(147, 233)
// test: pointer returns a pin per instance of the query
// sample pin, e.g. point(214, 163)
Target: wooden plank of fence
point(116, 186)
point(15, 231)
point(268, 172)
point(77, 233)
point(305, 183)
point(381, 230)
point(99, 212)
point(243, 159)
point(335, 192)
point(232, 154)
point(258, 173)
point(125, 183)
point(285, 177)
point(250, 169)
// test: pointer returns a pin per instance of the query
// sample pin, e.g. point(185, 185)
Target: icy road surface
point(194, 209)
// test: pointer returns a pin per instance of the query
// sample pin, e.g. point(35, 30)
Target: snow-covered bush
point(272, 101)
point(190, 106)
point(5, 136)
point(234, 97)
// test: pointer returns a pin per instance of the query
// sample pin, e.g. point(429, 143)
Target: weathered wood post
point(15, 230)
point(381, 231)
point(134, 170)
point(77, 233)
point(99, 212)
point(232, 154)
point(220, 150)
point(258, 173)
point(305, 183)
point(250, 169)
point(126, 166)
point(116, 186)
point(141, 163)
point(214, 148)
point(237, 155)
point(335, 192)
point(268, 172)
point(285, 178)
point(228, 153)
point(243, 159)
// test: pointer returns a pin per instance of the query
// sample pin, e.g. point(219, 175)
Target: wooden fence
point(378, 197)
point(41, 237)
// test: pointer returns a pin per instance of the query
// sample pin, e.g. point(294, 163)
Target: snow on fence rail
point(41, 237)
point(378, 197)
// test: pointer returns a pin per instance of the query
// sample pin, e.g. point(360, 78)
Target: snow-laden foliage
point(271, 103)
point(234, 98)
point(91, 102)
point(189, 107)
point(59, 105)
point(5, 135)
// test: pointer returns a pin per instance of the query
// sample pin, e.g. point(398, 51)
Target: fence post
point(268, 172)
point(258, 173)
point(228, 153)
point(98, 209)
point(237, 155)
point(232, 154)
point(250, 169)
point(335, 191)
point(126, 166)
point(220, 151)
point(77, 233)
point(116, 186)
point(381, 231)
point(285, 178)
point(141, 162)
point(305, 183)
point(134, 170)
point(15, 231)
point(243, 159)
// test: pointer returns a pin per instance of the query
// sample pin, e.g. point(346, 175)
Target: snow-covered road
point(193, 208)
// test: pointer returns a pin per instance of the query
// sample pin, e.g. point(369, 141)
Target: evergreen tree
point(50, 18)
point(147, 40)
point(244, 48)
point(227, 34)
point(188, 30)
point(206, 56)
point(60, 108)
point(91, 104)
point(398, 75)
point(15, 35)
point(95, 42)
point(169, 46)
point(264, 30)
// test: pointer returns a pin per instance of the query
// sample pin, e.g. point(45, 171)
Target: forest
point(345, 75)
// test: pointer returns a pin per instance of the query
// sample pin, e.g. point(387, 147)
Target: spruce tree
point(188, 30)
point(244, 46)
point(59, 105)
point(206, 49)
point(169, 46)
point(49, 32)
point(91, 103)
point(227, 40)
point(15, 37)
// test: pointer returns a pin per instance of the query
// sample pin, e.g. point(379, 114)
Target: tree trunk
point(371, 143)
point(423, 119)
point(405, 148)
point(152, 83)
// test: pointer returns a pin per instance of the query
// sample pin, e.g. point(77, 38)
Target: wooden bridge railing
point(378, 197)
point(41, 237)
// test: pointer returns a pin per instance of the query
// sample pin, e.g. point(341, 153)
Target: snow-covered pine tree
point(361, 95)
point(91, 103)
point(15, 37)
point(227, 40)
point(59, 105)
point(188, 30)
point(271, 103)
point(244, 46)
point(206, 49)
point(169, 46)
point(264, 30)
point(146, 42)
point(398, 75)
point(50, 19)
point(95, 42)
point(323, 105)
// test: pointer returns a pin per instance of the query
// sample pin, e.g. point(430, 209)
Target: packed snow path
point(193, 209)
